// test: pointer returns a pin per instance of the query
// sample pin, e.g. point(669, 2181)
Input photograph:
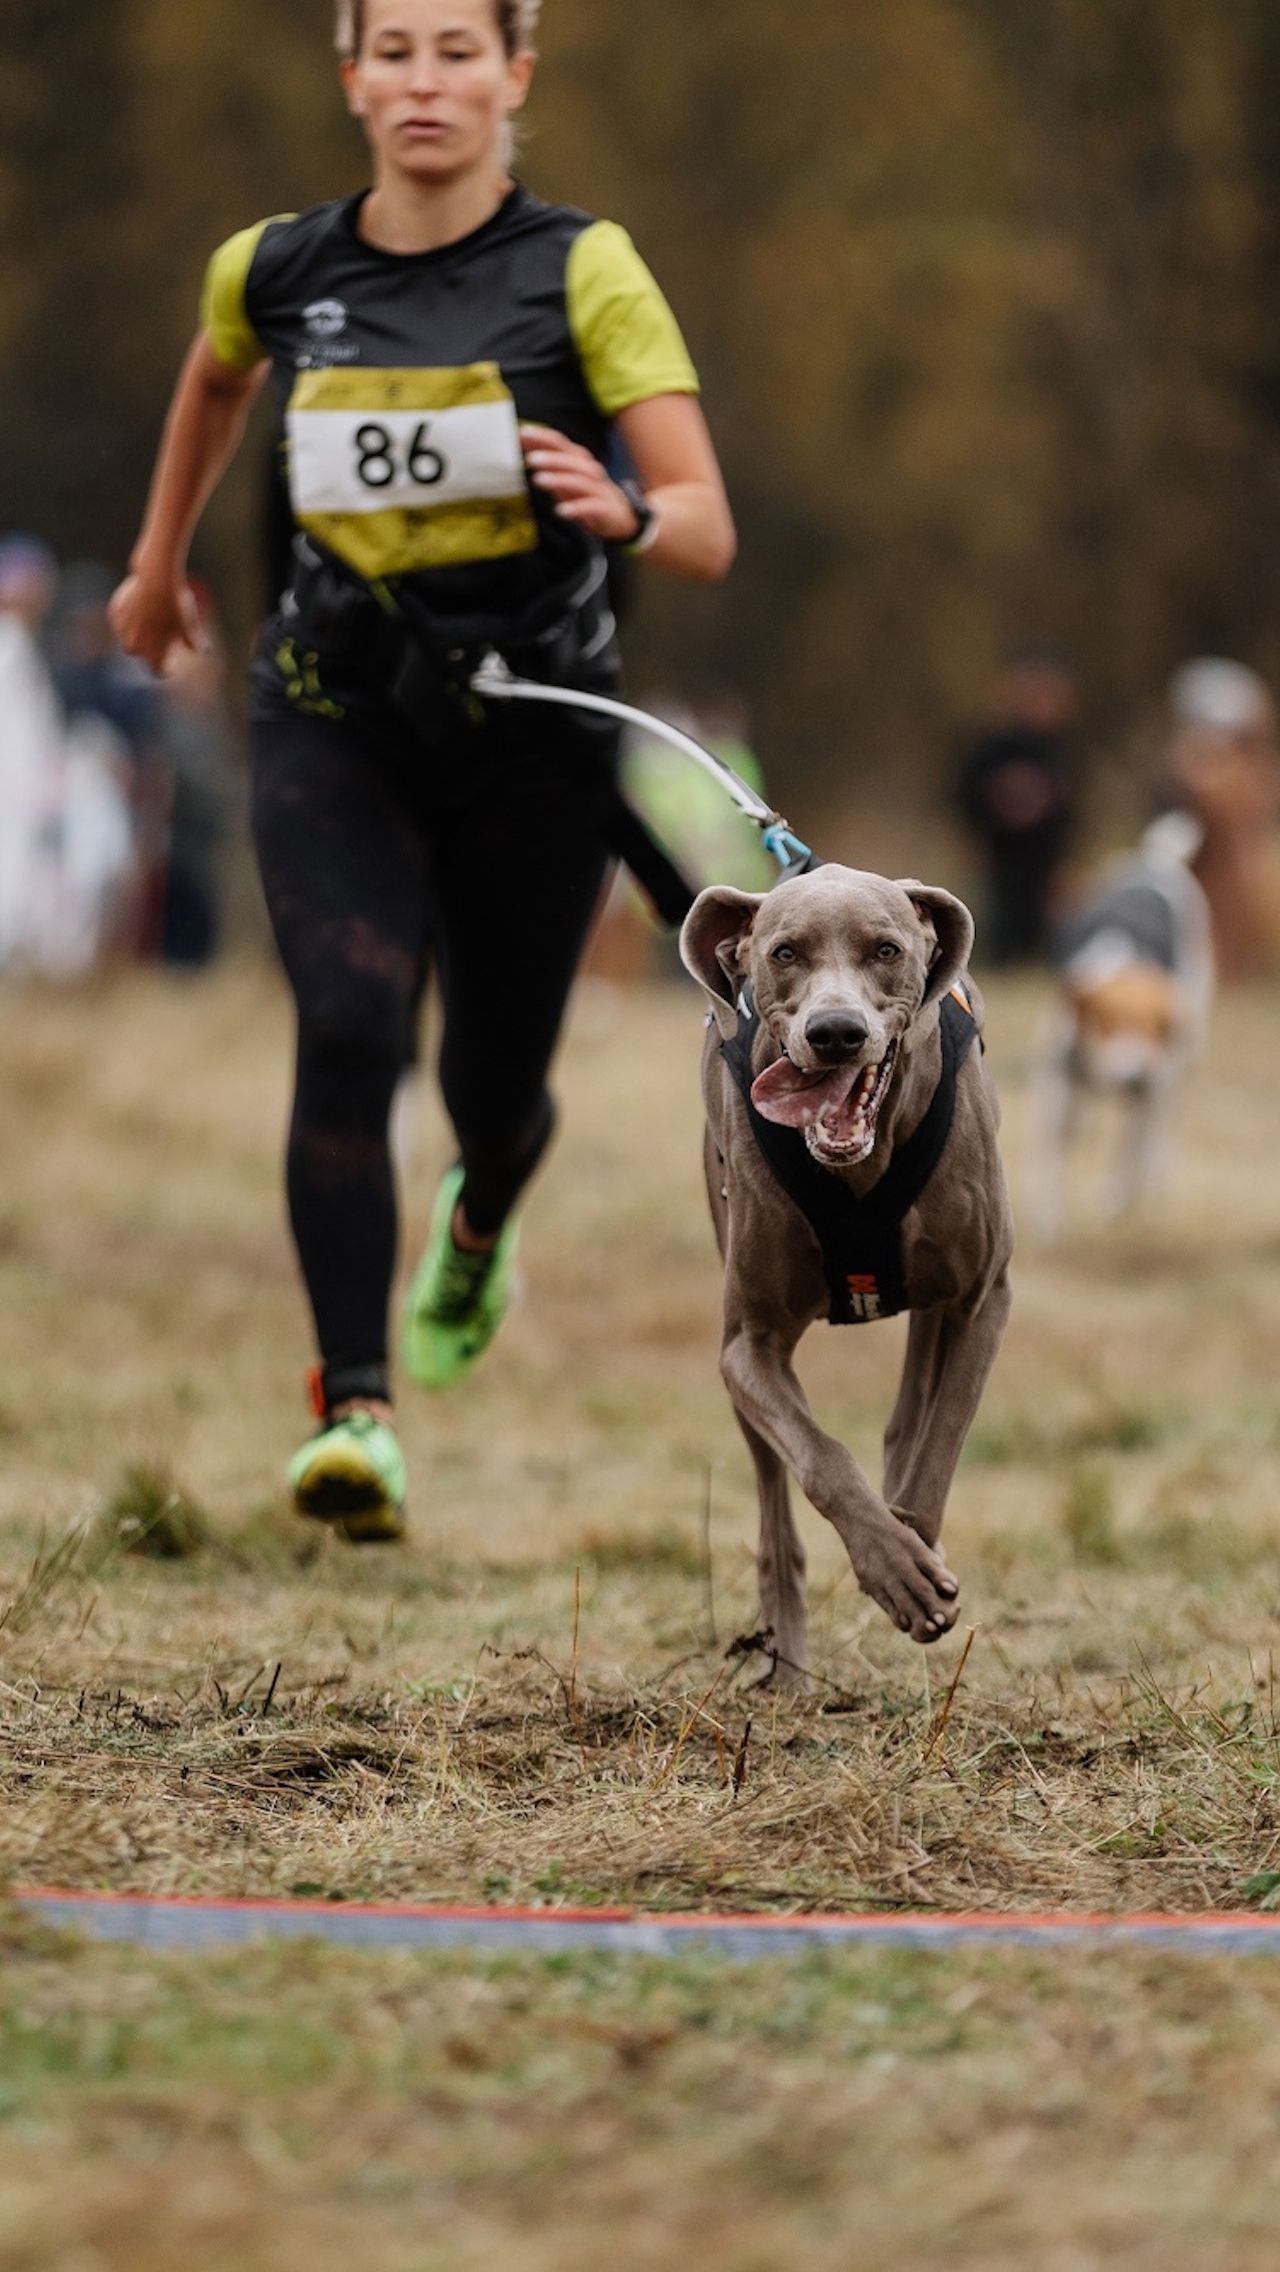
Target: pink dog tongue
point(795, 1099)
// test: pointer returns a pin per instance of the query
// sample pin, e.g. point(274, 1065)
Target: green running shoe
point(352, 1476)
point(457, 1301)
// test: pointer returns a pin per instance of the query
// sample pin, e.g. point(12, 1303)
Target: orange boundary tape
point(189, 1921)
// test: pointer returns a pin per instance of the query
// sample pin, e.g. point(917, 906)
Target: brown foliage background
point(982, 296)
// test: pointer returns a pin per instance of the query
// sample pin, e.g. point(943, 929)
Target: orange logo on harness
point(864, 1297)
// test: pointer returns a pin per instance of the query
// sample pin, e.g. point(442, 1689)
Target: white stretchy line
point(495, 683)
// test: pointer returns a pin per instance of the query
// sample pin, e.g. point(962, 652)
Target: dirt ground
point(532, 1702)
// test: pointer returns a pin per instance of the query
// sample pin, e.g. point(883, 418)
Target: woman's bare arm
point(669, 444)
point(154, 610)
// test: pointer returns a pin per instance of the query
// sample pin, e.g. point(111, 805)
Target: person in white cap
point(1224, 768)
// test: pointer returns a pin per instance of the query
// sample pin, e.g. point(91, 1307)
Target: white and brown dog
point(1137, 980)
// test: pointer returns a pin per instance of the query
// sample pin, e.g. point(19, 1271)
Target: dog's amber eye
point(784, 953)
point(888, 951)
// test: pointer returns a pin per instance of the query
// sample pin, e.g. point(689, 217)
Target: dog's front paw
point(908, 1579)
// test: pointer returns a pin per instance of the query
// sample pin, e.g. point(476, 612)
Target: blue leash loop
point(787, 849)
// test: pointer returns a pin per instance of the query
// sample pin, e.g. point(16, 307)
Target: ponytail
point(518, 23)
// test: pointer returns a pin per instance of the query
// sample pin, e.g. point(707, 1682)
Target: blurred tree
point(64, 294)
point(981, 296)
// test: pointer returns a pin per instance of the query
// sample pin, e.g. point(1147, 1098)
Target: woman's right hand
point(151, 616)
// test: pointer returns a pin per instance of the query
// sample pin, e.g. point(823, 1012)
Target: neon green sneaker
point(352, 1476)
point(457, 1301)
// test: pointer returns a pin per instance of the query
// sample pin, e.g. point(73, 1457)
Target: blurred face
point(434, 86)
point(27, 591)
point(1039, 696)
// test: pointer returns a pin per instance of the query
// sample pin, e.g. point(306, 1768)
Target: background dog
point(1137, 982)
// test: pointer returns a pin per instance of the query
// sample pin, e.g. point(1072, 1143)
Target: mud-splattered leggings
point(378, 862)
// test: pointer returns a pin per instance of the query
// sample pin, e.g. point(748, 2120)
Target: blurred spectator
point(30, 747)
point(114, 789)
point(114, 715)
point(1016, 787)
point(92, 675)
point(1223, 766)
point(28, 582)
point(90, 910)
point(173, 766)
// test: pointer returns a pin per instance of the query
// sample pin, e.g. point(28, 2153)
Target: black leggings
point(378, 863)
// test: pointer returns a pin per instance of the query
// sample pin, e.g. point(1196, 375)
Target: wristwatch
point(646, 518)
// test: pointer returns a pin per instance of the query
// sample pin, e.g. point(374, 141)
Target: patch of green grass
point(658, 1550)
point(1089, 1518)
point(1011, 1439)
point(148, 1514)
point(1028, 1439)
point(1117, 1426)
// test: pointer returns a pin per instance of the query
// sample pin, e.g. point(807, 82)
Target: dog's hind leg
point(780, 1563)
point(949, 1357)
point(1144, 1154)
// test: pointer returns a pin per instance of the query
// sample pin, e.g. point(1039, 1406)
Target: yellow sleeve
point(222, 309)
point(628, 341)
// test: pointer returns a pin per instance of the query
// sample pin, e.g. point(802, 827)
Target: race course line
point(160, 1922)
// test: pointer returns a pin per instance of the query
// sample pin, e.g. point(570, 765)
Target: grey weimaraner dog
point(850, 974)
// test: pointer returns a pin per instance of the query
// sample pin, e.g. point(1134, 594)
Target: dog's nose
point(836, 1033)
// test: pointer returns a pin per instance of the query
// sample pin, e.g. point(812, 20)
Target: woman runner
point(455, 362)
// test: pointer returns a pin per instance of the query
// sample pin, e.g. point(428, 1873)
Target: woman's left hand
point(582, 490)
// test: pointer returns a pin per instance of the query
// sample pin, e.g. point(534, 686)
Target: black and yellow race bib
point(401, 470)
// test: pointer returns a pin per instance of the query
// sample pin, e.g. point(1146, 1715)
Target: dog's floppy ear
point(951, 925)
point(718, 924)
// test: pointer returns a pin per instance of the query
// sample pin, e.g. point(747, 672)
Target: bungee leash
point(496, 682)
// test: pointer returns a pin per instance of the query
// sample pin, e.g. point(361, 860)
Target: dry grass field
point(531, 1702)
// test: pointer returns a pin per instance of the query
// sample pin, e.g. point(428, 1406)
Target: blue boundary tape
point(159, 1923)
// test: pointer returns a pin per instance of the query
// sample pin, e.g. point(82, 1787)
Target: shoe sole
point(352, 1500)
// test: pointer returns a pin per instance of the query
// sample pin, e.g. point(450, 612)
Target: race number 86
point(377, 465)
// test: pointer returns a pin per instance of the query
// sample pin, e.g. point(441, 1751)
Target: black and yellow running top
point(404, 378)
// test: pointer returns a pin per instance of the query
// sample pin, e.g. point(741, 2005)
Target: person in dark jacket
point(1017, 790)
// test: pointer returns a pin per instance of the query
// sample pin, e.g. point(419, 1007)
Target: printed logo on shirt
point(324, 319)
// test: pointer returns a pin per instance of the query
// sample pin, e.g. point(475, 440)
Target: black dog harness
point(861, 1239)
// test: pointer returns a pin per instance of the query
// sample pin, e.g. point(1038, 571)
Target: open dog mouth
point(837, 1107)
